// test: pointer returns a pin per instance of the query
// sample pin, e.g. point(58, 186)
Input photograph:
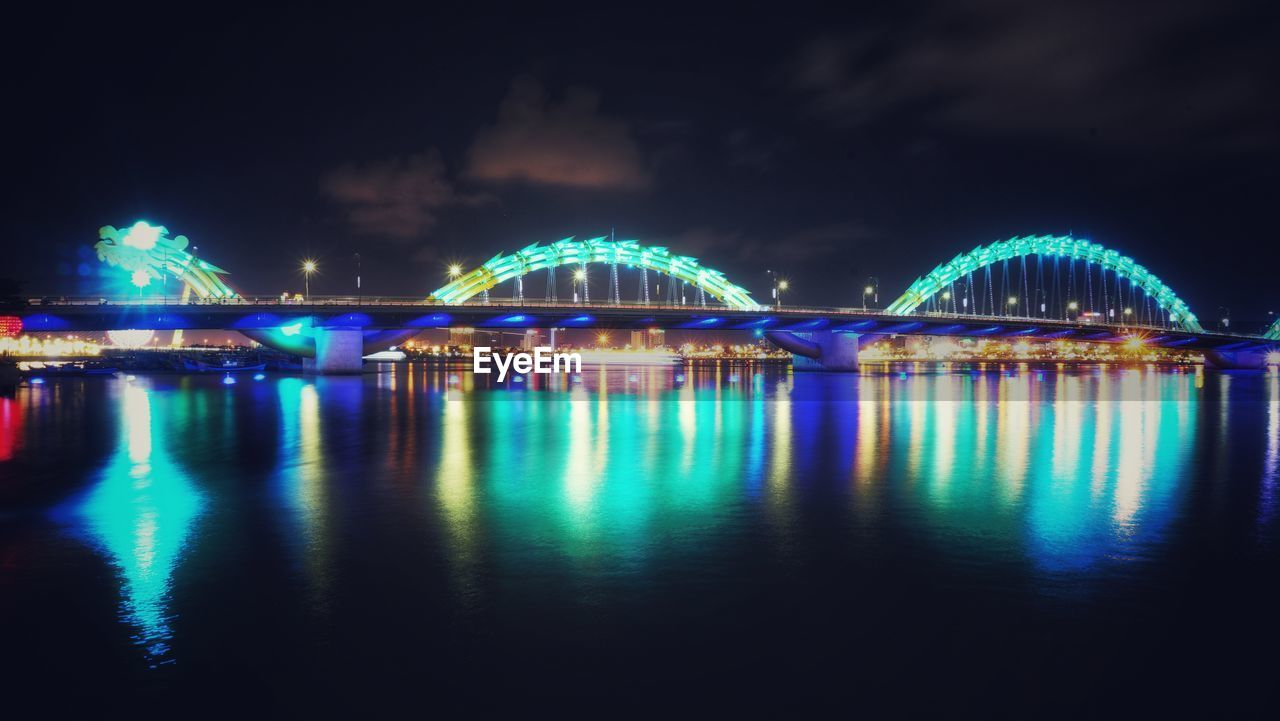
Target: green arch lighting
point(1273, 333)
point(503, 267)
point(941, 277)
point(147, 252)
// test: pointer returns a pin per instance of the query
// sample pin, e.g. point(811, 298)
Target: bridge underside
point(384, 324)
point(822, 350)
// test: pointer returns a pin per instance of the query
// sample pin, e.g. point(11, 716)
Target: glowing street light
point(308, 267)
point(602, 339)
point(580, 281)
point(455, 270)
point(142, 235)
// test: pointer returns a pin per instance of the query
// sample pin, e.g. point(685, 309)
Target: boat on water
point(50, 369)
point(227, 365)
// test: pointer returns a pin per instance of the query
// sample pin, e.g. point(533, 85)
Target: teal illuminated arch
point(1273, 333)
point(147, 252)
point(503, 267)
point(941, 277)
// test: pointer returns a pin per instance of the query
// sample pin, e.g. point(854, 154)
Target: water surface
point(940, 538)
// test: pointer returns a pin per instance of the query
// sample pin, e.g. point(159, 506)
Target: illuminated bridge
point(1033, 287)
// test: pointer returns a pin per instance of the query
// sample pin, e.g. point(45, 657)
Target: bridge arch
point(1273, 333)
point(570, 252)
point(941, 279)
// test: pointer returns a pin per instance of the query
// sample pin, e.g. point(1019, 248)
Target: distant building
point(639, 341)
point(657, 338)
point(532, 339)
point(461, 337)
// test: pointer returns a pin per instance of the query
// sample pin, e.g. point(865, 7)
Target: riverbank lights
point(602, 338)
point(1133, 343)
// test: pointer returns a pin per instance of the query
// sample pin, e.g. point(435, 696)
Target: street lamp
point(602, 339)
point(580, 276)
point(455, 270)
point(866, 292)
point(782, 287)
point(1070, 307)
point(359, 292)
point(308, 267)
point(1013, 303)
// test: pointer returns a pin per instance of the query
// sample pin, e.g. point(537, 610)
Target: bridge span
point(1033, 287)
point(337, 330)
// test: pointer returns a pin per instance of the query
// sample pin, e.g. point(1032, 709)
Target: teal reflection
point(1114, 454)
point(302, 482)
point(1067, 470)
point(601, 480)
point(140, 513)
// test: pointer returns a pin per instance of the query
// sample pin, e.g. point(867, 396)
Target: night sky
point(879, 142)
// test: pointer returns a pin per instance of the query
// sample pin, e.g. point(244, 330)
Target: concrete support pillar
point(1235, 360)
point(824, 350)
point(339, 350)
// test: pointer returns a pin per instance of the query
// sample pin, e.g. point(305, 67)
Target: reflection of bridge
point(1033, 287)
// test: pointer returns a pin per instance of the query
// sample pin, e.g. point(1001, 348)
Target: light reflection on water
point(140, 512)
point(630, 471)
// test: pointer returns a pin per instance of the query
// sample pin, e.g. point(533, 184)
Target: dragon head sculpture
point(146, 252)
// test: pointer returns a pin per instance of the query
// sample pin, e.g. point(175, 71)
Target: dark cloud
point(1126, 73)
point(746, 149)
point(568, 143)
point(399, 198)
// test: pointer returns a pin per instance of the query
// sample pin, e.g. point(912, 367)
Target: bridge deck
point(387, 313)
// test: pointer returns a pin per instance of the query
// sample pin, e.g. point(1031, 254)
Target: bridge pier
point(1235, 360)
point(823, 350)
point(338, 351)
